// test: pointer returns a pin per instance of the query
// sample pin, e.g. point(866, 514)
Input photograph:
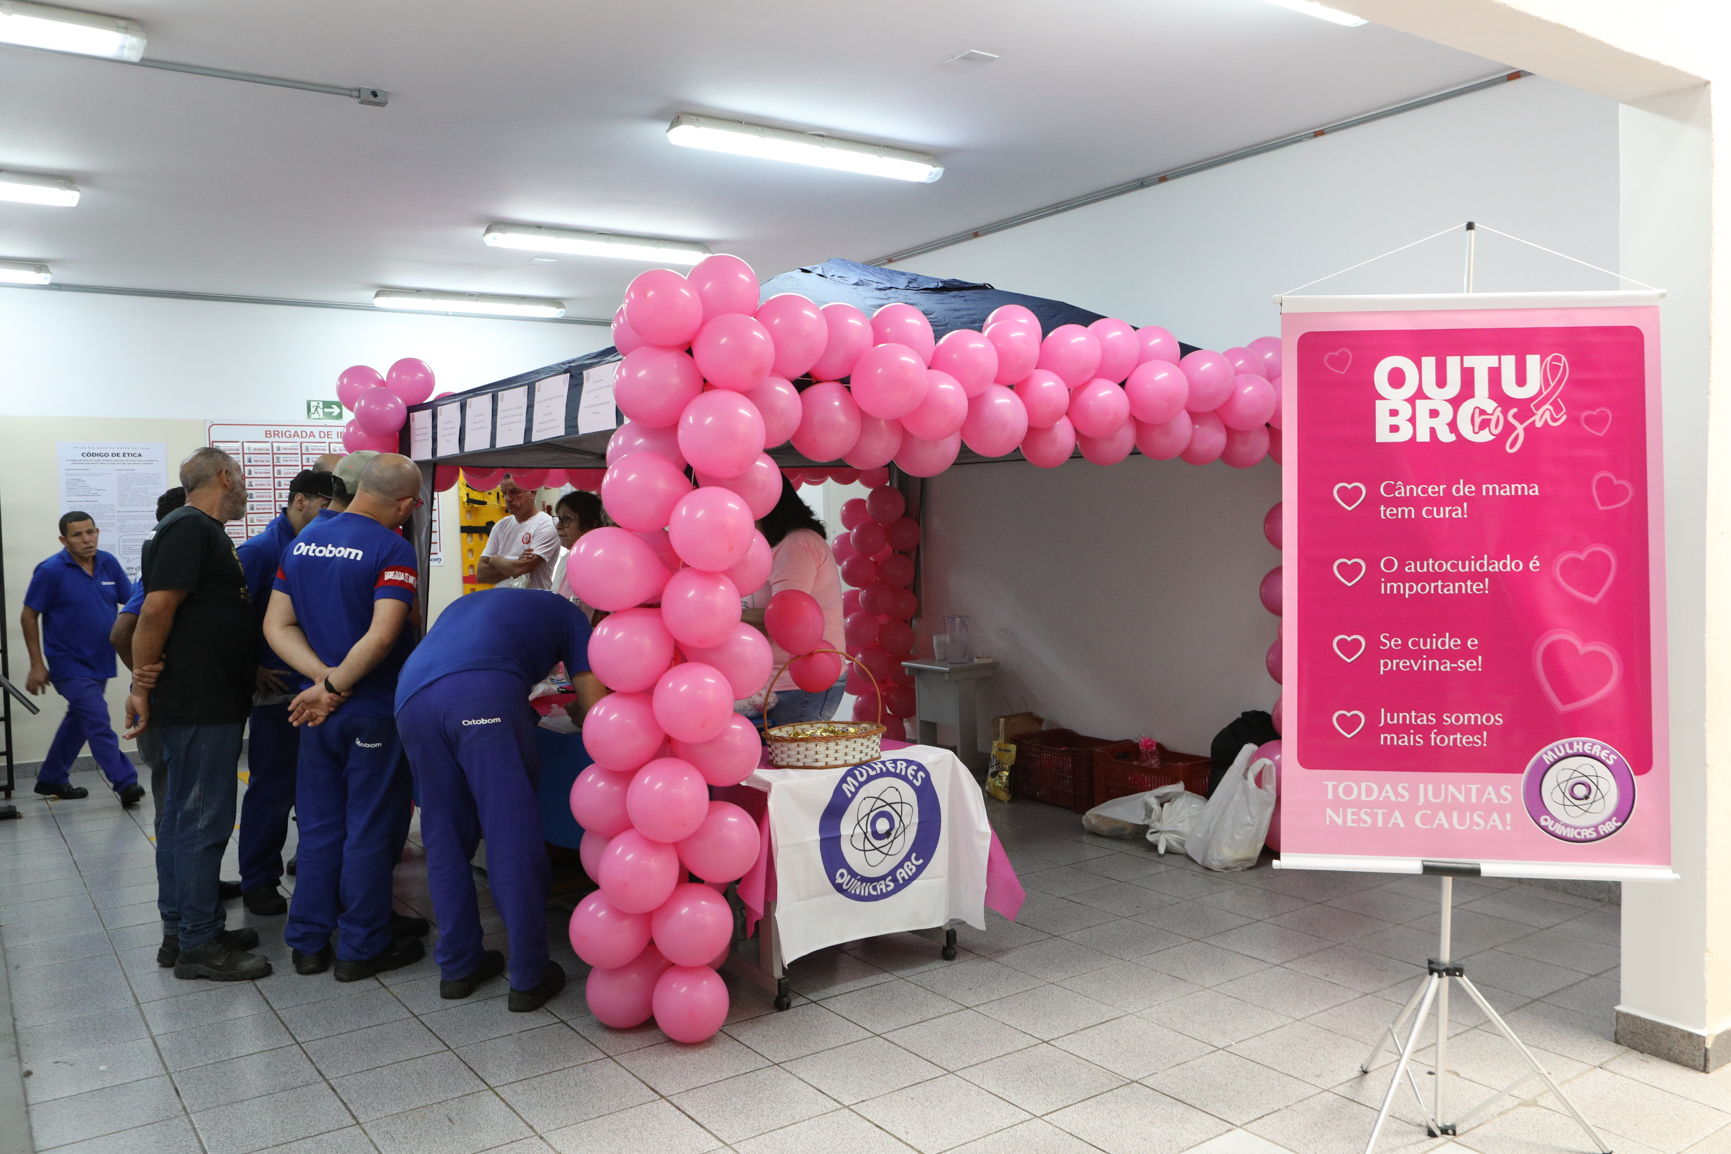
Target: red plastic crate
point(1116, 773)
point(1056, 766)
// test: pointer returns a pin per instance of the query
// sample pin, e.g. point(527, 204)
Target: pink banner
point(1473, 653)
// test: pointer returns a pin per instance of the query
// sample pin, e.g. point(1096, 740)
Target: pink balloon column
point(381, 403)
point(877, 557)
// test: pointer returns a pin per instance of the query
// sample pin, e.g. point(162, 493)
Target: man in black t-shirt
point(198, 621)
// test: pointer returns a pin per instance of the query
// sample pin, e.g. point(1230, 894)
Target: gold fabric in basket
point(824, 744)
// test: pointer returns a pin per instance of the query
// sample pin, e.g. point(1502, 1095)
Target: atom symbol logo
point(885, 820)
point(1579, 791)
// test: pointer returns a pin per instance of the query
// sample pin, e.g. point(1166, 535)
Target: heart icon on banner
point(1573, 673)
point(1584, 573)
point(1596, 421)
point(1350, 487)
point(1348, 641)
point(1348, 722)
point(1611, 493)
point(1338, 361)
point(1345, 565)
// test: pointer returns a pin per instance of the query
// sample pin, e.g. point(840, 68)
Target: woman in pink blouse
point(801, 561)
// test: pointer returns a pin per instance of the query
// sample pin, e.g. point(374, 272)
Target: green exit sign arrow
point(324, 410)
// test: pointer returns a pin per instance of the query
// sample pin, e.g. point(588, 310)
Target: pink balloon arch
point(380, 403)
point(706, 382)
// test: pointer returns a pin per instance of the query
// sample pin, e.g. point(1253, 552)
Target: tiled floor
point(1140, 1004)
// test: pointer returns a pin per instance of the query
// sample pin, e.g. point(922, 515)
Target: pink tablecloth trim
point(1004, 892)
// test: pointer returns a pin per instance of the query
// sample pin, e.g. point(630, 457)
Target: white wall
point(79, 366)
point(1124, 599)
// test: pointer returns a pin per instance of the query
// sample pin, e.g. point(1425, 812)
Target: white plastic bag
point(1230, 834)
point(1172, 812)
point(1123, 817)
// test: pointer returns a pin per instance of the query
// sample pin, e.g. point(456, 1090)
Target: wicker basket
point(1117, 773)
point(825, 744)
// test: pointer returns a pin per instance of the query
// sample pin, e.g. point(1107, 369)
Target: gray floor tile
point(794, 1033)
point(200, 1007)
point(1285, 992)
point(79, 1073)
point(469, 1022)
point(462, 1126)
point(1132, 1047)
point(889, 1005)
point(88, 1032)
point(1128, 986)
point(105, 1111)
point(972, 980)
point(961, 1039)
point(351, 1140)
point(655, 1126)
point(863, 1069)
point(240, 1079)
point(1053, 915)
point(322, 1019)
point(1036, 1136)
point(671, 1068)
point(406, 1085)
point(566, 1097)
point(747, 1105)
point(1041, 1079)
point(1306, 1051)
point(1136, 1120)
point(1229, 1087)
point(1126, 938)
point(1270, 943)
point(832, 972)
point(1203, 964)
point(837, 1130)
point(941, 1114)
point(1326, 1123)
point(381, 1045)
point(220, 1041)
point(1215, 1018)
point(1055, 959)
point(534, 1052)
point(273, 1120)
point(169, 1136)
point(1049, 1011)
point(1124, 899)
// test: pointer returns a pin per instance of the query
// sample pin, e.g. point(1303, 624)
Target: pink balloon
point(727, 758)
point(1157, 391)
point(483, 480)
point(777, 403)
point(624, 996)
point(1275, 418)
point(1072, 352)
point(356, 439)
point(860, 630)
point(700, 608)
point(859, 571)
point(721, 433)
point(613, 569)
point(1210, 377)
point(733, 352)
point(899, 701)
point(1013, 314)
point(410, 379)
point(725, 284)
point(724, 846)
point(1245, 447)
point(1098, 409)
point(1045, 396)
point(654, 385)
point(711, 528)
point(996, 421)
point(749, 575)
point(667, 800)
point(743, 657)
point(625, 338)
point(759, 487)
point(794, 621)
point(620, 731)
point(1113, 447)
point(632, 437)
point(1051, 446)
point(884, 505)
point(604, 935)
point(445, 477)
point(903, 534)
point(1207, 439)
point(589, 852)
point(968, 357)
point(849, 335)
point(355, 380)
point(659, 544)
point(1276, 452)
point(380, 413)
point(815, 672)
point(1248, 405)
point(1271, 588)
point(874, 478)
point(1268, 348)
point(638, 873)
point(877, 445)
point(1166, 440)
point(663, 308)
point(693, 925)
point(797, 327)
point(889, 381)
point(1278, 726)
point(1157, 345)
point(896, 638)
point(690, 1003)
point(1119, 349)
point(1244, 361)
point(1273, 527)
point(598, 802)
point(641, 489)
point(918, 458)
point(531, 479)
point(693, 701)
point(1018, 349)
point(630, 650)
point(942, 411)
point(829, 423)
point(1271, 660)
point(903, 324)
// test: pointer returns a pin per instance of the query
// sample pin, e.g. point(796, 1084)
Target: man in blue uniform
point(77, 593)
point(463, 711)
point(341, 599)
point(273, 744)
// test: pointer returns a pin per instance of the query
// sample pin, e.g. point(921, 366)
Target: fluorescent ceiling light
point(65, 30)
point(28, 188)
point(1322, 12)
point(23, 272)
point(536, 238)
point(802, 148)
point(492, 306)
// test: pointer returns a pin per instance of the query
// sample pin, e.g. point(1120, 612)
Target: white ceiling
point(554, 112)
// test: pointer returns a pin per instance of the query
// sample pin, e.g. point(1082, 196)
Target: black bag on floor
point(1252, 727)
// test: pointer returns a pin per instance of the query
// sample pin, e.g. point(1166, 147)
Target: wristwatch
point(329, 688)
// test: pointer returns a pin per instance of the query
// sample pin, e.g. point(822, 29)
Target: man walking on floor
point(197, 623)
point(76, 595)
point(341, 599)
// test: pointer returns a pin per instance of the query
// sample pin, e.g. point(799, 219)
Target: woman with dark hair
point(576, 513)
point(801, 560)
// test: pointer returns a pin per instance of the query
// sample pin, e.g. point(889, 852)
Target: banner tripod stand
point(1433, 992)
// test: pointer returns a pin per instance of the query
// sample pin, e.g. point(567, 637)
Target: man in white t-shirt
point(523, 545)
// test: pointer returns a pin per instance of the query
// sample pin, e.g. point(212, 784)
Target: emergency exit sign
point(324, 410)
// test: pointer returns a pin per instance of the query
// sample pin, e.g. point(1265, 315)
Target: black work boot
point(404, 926)
point(64, 790)
point(244, 938)
point(312, 963)
point(401, 952)
point(131, 795)
point(265, 901)
point(491, 965)
point(216, 962)
point(523, 1001)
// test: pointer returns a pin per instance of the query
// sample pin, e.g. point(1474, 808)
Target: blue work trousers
point(471, 740)
point(86, 720)
point(798, 705)
point(349, 793)
point(197, 819)
point(272, 750)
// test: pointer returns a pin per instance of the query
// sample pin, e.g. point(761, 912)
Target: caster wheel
point(782, 1001)
point(949, 953)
